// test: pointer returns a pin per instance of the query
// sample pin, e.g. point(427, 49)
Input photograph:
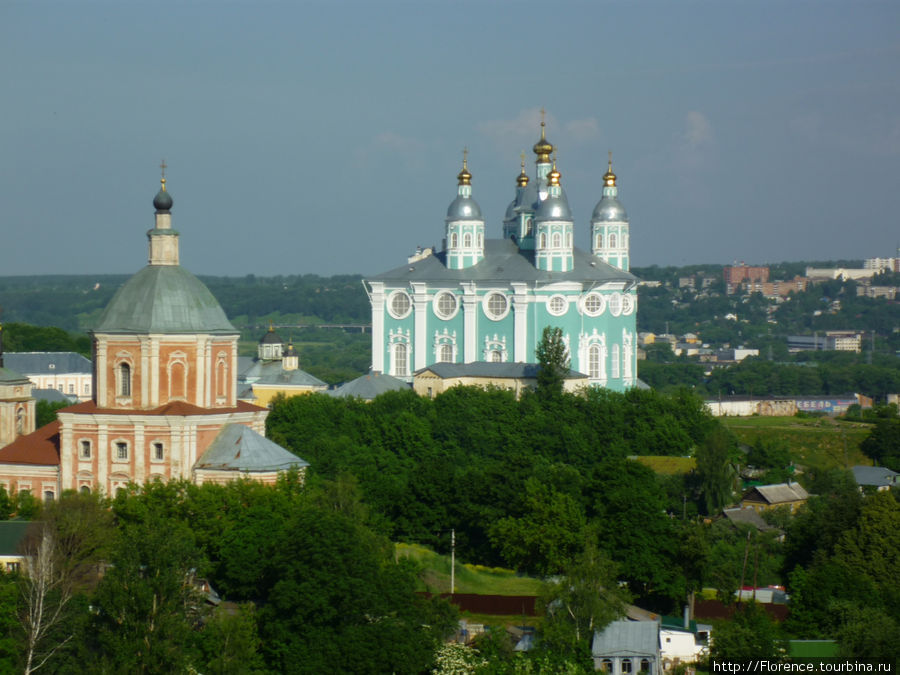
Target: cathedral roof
point(609, 209)
point(8, 376)
point(178, 408)
point(40, 447)
point(164, 299)
point(503, 262)
point(464, 208)
point(239, 448)
point(369, 386)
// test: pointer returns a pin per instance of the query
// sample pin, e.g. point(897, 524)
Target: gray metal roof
point(239, 448)
point(51, 396)
point(164, 299)
point(290, 378)
point(554, 208)
point(875, 476)
point(627, 639)
point(369, 386)
point(609, 209)
point(510, 370)
point(9, 376)
point(740, 516)
point(781, 492)
point(504, 262)
point(47, 363)
point(464, 208)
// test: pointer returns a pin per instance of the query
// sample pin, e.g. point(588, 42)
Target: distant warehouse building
point(783, 406)
point(833, 340)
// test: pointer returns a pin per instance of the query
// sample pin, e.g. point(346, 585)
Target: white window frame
point(559, 311)
point(390, 303)
point(436, 305)
point(486, 305)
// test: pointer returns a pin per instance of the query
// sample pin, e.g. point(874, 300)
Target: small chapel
point(165, 393)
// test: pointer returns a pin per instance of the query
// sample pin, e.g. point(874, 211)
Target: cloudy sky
point(325, 137)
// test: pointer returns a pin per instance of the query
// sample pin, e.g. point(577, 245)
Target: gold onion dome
point(554, 175)
point(543, 148)
point(522, 178)
point(609, 178)
point(464, 177)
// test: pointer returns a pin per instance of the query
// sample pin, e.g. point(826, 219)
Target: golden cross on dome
point(610, 160)
point(465, 156)
point(163, 166)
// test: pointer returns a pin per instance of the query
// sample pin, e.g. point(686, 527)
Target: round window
point(399, 304)
point(594, 304)
point(496, 306)
point(627, 304)
point(445, 305)
point(557, 305)
point(615, 304)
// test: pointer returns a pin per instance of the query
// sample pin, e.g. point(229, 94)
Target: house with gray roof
point(627, 648)
point(69, 373)
point(877, 477)
point(368, 386)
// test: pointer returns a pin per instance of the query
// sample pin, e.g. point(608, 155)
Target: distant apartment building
point(869, 291)
point(882, 264)
point(833, 340)
point(818, 274)
point(735, 275)
point(779, 289)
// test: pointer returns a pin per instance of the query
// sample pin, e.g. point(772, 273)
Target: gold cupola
point(609, 178)
point(464, 177)
point(554, 175)
point(522, 178)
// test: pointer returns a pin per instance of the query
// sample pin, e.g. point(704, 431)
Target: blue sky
point(325, 137)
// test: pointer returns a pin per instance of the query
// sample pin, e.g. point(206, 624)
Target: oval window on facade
point(399, 304)
point(445, 305)
point(615, 304)
point(594, 304)
point(557, 305)
point(627, 304)
point(496, 306)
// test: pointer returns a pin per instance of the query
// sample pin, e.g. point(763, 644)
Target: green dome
point(164, 299)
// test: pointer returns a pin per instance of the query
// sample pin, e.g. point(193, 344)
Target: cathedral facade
point(489, 300)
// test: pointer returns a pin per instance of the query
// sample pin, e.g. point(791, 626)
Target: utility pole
point(452, 561)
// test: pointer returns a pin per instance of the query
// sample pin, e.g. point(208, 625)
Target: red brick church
point(165, 393)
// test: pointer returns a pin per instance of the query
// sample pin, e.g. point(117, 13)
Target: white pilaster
point(420, 307)
point(376, 298)
point(520, 312)
point(470, 323)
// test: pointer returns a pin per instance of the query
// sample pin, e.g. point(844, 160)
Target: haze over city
point(325, 138)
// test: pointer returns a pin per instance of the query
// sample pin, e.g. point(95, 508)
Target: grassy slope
point(435, 575)
point(816, 443)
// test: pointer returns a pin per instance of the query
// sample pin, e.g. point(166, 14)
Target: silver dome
point(609, 209)
point(464, 208)
point(554, 208)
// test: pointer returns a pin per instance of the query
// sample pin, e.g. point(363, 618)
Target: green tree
point(882, 445)
point(547, 536)
point(45, 411)
point(715, 469)
point(583, 601)
point(148, 605)
point(229, 643)
point(553, 359)
point(750, 634)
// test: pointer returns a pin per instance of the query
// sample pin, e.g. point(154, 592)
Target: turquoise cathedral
point(485, 299)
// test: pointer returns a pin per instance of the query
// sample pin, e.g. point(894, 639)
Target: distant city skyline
point(325, 138)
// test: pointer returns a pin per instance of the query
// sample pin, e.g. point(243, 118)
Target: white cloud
point(389, 147)
point(580, 131)
point(698, 132)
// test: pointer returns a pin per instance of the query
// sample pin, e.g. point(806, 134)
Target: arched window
point(594, 361)
point(528, 224)
point(557, 240)
point(626, 666)
point(400, 358)
point(599, 241)
point(615, 361)
point(467, 240)
point(20, 421)
point(124, 379)
point(454, 240)
point(85, 490)
point(645, 665)
point(612, 241)
point(543, 240)
point(496, 356)
point(445, 354)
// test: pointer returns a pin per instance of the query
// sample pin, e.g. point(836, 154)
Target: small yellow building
point(516, 377)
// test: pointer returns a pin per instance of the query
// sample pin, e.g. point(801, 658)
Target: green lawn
point(435, 575)
point(669, 466)
point(816, 443)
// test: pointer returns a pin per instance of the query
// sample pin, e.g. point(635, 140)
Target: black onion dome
point(162, 202)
